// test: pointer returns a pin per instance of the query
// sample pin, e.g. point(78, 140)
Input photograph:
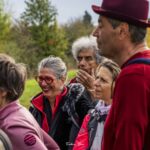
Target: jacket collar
point(9, 108)
point(38, 101)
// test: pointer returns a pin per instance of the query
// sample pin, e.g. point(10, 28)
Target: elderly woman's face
point(86, 60)
point(50, 85)
point(103, 84)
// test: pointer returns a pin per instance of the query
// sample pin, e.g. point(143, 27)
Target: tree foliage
point(4, 22)
point(39, 21)
point(40, 18)
point(39, 12)
point(74, 29)
point(87, 19)
point(5, 27)
point(37, 34)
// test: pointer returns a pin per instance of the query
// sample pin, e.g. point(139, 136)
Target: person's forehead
point(47, 71)
point(86, 52)
point(102, 19)
point(104, 71)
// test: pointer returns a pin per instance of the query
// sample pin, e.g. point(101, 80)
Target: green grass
point(71, 74)
point(32, 88)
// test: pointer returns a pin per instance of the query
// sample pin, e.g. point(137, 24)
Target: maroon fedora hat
point(131, 11)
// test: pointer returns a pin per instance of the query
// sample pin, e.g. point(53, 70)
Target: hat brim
point(121, 17)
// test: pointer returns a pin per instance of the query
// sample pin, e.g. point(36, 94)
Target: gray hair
point(86, 42)
point(137, 33)
point(54, 63)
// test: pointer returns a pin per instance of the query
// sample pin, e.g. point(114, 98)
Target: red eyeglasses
point(47, 79)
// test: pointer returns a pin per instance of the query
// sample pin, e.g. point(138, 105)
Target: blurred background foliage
point(37, 34)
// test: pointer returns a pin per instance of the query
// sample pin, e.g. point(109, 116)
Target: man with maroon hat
point(121, 36)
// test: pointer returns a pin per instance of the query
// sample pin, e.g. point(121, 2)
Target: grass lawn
point(32, 88)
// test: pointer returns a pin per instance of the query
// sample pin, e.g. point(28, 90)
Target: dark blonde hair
point(113, 68)
point(12, 77)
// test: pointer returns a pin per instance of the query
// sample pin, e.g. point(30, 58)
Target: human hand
point(86, 80)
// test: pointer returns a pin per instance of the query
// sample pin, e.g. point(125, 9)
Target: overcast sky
point(67, 9)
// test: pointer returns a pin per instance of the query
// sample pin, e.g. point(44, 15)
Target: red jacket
point(91, 131)
point(82, 140)
point(74, 80)
point(127, 126)
point(70, 108)
point(38, 103)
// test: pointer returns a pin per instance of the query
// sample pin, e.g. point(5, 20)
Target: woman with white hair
point(59, 109)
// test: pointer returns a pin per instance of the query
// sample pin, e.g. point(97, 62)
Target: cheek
point(107, 91)
point(59, 85)
point(105, 36)
point(92, 64)
point(97, 87)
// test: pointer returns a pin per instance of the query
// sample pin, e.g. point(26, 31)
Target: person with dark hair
point(121, 34)
point(15, 120)
point(91, 131)
point(59, 109)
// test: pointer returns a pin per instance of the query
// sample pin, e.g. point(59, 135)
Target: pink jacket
point(23, 130)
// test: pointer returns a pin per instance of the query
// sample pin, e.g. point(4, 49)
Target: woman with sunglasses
point(90, 134)
point(59, 109)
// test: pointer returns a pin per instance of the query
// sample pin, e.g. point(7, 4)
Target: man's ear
point(123, 30)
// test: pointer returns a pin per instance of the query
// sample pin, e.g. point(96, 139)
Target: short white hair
point(84, 43)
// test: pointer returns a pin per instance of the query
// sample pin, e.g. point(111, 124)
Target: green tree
point(78, 27)
point(4, 22)
point(87, 19)
point(5, 27)
point(25, 49)
point(40, 18)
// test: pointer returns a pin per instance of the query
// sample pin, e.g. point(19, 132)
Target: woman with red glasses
point(59, 109)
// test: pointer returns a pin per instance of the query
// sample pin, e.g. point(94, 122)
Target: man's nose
point(95, 32)
point(82, 62)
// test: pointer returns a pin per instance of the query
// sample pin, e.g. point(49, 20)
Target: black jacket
point(69, 116)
